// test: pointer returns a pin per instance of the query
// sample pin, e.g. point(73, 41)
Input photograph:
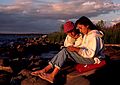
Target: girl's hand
point(76, 36)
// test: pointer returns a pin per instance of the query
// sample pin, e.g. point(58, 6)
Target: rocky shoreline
point(17, 62)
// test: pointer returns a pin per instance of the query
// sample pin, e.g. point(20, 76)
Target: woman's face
point(82, 28)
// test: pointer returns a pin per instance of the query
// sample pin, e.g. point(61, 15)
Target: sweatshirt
point(92, 45)
point(69, 41)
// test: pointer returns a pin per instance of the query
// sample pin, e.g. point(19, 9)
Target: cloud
point(115, 21)
point(22, 23)
point(62, 9)
point(47, 15)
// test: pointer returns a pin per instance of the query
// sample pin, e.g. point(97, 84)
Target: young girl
point(74, 37)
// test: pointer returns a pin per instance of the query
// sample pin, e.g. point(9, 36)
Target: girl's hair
point(76, 31)
point(86, 22)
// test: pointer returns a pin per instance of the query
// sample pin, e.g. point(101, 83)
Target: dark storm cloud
point(22, 23)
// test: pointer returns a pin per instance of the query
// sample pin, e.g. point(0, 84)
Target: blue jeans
point(59, 59)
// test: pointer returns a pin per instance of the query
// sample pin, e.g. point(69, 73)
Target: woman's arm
point(88, 50)
point(92, 48)
point(73, 49)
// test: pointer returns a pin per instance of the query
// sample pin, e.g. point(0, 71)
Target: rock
point(79, 80)
point(113, 52)
point(75, 78)
point(25, 72)
point(34, 81)
point(4, 61)
point(1, 62)
point(6, 68)
point(5, 78)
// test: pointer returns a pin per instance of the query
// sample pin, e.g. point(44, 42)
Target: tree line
point(111, 33)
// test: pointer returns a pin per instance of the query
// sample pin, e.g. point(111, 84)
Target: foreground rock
point(21, 69)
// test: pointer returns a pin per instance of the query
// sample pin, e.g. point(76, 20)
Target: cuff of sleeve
point(80, 52)
point(50, 64)
point(57, 67)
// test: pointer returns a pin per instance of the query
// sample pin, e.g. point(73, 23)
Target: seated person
point(74, 37)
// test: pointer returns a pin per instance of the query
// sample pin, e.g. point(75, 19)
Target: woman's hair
point(86, 22)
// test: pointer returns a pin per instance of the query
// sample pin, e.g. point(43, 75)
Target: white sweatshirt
point(92, 45)
point(69, 41)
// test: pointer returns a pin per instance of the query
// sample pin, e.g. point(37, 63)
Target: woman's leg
point(59, 59)
point(56, 61)
point(44, 70)
point(50, 77)
point(79, 59)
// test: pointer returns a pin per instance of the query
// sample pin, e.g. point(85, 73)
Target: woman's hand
point(72, 49)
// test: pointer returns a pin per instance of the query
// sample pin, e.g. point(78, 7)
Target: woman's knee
point(64, 49)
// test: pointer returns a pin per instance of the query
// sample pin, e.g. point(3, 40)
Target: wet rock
point(25, 73)
point(6, 68)
point(5, 78)
point(113, 52)
point(79, 80)
point(16, 80)
point(34, 81)
point(1, 62)
point(4, 65)
point(4, 61)
point(23, 67)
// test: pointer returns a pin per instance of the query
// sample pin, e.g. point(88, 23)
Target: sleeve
point(89, 49)
point(69, 41)
point(78, 41)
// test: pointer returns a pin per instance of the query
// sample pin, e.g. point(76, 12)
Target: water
point(49, 54)
point(16, 36)
point(7, 38)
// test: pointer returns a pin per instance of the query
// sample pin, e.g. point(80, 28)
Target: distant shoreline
point(23, 34)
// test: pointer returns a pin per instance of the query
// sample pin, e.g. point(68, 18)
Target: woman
point(91, 47)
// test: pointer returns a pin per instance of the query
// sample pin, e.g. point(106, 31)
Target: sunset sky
point(45, 16)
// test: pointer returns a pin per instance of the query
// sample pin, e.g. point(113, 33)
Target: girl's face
point(82, 28)
point(71, 34)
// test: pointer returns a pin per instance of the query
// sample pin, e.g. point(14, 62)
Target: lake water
point(8, 39)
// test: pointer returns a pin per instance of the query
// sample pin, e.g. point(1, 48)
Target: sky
point(46, 16)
